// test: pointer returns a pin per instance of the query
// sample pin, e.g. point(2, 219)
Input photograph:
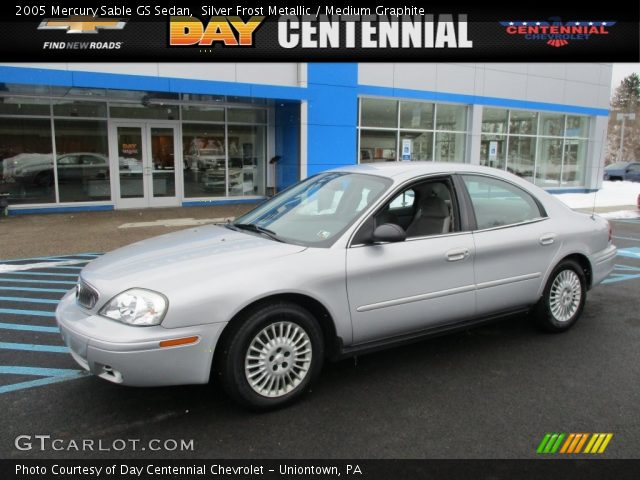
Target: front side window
point(497, 203)
point(317, 210)
point(425, 208)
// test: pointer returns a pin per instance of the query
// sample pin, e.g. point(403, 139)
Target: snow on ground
point(620, 214)
point(612, 194)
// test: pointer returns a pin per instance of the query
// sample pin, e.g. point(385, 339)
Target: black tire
point(232, 354)
point(44, 179)
point(553, 320)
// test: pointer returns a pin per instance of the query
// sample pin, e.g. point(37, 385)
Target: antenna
point(600, 169)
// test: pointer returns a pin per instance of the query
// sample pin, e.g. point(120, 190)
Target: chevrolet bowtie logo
point(82, 24)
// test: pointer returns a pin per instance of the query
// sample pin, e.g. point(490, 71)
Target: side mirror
point(389, 232)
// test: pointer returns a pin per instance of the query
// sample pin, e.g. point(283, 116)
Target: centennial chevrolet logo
point(557, 33)
point(82, 24)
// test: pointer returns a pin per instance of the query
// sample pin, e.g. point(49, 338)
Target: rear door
point(515, 242)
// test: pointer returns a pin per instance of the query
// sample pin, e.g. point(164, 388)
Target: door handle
point(547, 239)
point(457, 254)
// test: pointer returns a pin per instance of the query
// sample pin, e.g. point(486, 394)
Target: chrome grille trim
point(86, 295)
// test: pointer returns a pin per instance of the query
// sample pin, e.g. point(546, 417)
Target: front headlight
point(137, 307)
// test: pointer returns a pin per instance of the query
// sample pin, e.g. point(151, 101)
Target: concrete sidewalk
point(24, 236)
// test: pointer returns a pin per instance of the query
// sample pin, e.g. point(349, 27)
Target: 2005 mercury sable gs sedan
point(346, 261)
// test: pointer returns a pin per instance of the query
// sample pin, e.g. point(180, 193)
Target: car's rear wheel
point(270, 356)
point(563, 299)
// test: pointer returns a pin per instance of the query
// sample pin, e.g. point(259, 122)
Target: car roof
point(400, 171)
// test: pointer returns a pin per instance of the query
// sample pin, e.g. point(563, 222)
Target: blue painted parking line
point(40, 382)
point(21, 280)
point(31, 289)
point(28, 347)
point(633, 252)
point(31, 313)
point(50, 375)
point(54, 258)
point(630, 273)
point(45, 274)
point(28, 328)
point(30, 300)
point(36, 371)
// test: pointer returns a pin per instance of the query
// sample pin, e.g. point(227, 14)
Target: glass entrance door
point(147, 165)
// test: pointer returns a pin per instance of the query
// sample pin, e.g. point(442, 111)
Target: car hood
point(190, 252)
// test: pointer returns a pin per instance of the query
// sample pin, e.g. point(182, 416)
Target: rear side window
point(497, 203)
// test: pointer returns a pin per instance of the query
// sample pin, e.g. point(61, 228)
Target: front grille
point(86, 296)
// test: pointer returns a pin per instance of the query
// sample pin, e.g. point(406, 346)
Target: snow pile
point(612, 194)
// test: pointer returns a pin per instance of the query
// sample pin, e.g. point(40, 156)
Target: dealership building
point(83, 136)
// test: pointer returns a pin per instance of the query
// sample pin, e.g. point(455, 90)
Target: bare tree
point(626, 99)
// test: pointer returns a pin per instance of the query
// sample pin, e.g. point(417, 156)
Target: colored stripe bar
point(20, 280)
point(593, 439)
point(550, 443)
point(599, 439)
point(31, 313)
point(543, 443)
point(33, 348)
point(574, 444)
point(556, 446)
point(30, 300)
point(28, 328)
point(581, 442)
point(44, 274)
point(567, 443)
point(605, 442)
point(30, 289)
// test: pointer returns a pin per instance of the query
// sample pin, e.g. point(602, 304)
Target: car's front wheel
point(563, 299)
point(270, 356)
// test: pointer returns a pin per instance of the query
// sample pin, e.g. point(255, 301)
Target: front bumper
point(132, 355)
point(602, 264)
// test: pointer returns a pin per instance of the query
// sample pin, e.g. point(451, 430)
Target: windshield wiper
point(258, 229)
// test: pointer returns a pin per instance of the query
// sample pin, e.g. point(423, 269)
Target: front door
point(147, 166)
point(421, 283)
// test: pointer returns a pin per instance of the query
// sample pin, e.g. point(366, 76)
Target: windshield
point(317, 210)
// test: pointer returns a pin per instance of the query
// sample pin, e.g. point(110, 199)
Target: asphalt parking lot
point(491, 392)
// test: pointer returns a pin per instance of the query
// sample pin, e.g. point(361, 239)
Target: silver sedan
point(344, 262)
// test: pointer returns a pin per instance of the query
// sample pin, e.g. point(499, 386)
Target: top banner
point(227, 31)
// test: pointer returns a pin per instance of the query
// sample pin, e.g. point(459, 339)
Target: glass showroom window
point(563, 150)
point(82, 151)
point(548, 148)
point(82, 160)
point(508, 141)
point(392, 130)
point(225, 156)
point(493, 141)
point(204, 157)
point(26, 160)
point(247, 145)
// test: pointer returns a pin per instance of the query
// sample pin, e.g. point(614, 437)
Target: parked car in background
point(37, 168)
point(342, 263)
point(623, 171)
